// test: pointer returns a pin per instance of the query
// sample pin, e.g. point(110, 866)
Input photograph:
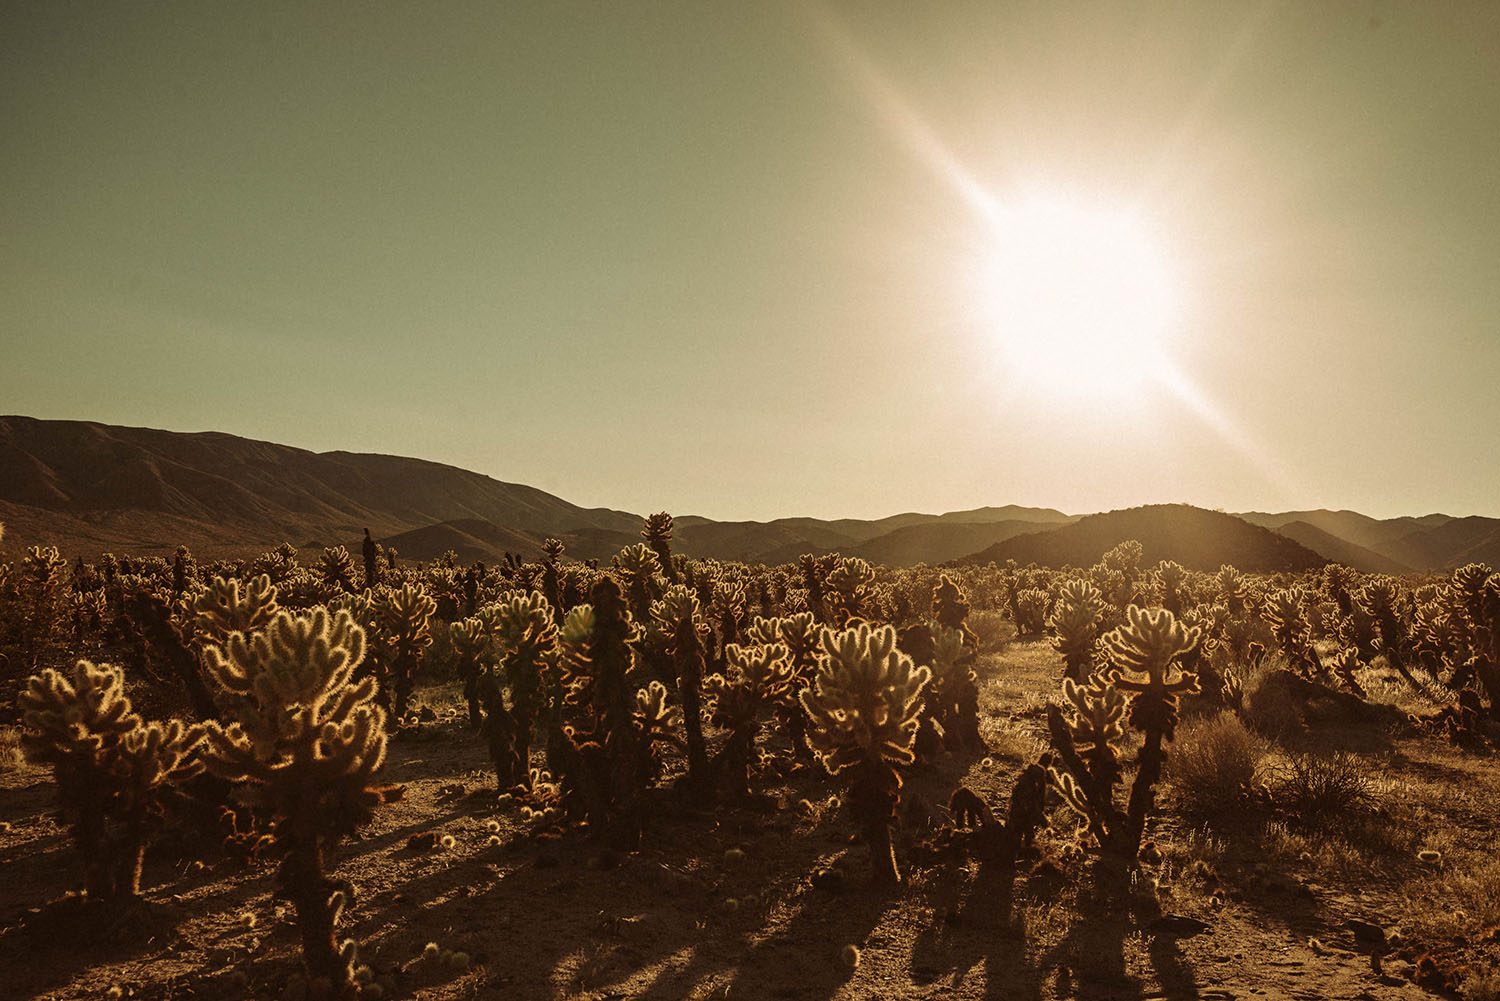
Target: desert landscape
point(1144, 773)
point(818, 500)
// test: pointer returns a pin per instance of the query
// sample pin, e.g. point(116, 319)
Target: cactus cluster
point(111, 769)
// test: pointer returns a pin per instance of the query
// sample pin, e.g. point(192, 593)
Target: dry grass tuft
point(1214, 764)
point(11, 758)
point(1324, 789)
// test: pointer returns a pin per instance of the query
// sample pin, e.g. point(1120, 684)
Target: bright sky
point(749, 260)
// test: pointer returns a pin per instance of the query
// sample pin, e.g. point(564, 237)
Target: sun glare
point(1080, 299)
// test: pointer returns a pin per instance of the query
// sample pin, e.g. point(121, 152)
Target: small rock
point(1180, 925)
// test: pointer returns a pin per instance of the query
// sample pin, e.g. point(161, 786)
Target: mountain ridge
point(89, 487)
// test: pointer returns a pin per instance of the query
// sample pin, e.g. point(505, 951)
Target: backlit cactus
point(658, 535)
point(233, 606)
point(681, 632)
point(1144, 658)
point(846, 588)
point(755, 679)
point(1075, 623)
point(305, 747)
point(1284, 613)
point(111, 769)
point(404, 617)
point(864, 706)
point(802, 637)
point(337, 569)
point(524, 647)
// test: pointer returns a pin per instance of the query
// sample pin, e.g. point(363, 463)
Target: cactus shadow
point(975, 926)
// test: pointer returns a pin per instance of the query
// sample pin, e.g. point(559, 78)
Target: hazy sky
point(728, 258)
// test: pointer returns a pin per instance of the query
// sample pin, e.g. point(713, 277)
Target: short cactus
point(111, 769)
point(756, 678)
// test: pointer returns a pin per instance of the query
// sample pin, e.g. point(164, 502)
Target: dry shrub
point(1269, 707)
point(1215, 763)
point(1482, 984)
point(11, 757)
point(1324, 789)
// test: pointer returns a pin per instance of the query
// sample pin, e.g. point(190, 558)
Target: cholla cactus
point(607, 757)
point(1144, 659)
point(1382, 599)
point(1030, 611)
point(1168, 578)
point(848, 585)
point(337, 569)
point(524, 639)
point(802, 637)
point(552, 554)
point(472, 651)
point(1125, 558)
point(639, 567)
point(405, 618)
point(37, 586)
point(952, 698)
point(726, 606)
point(864, 705)
point(1284, 611)
point(305, 747)
point(658, 535)
point(1075, 623)
point(677, 622)
point(755, 678)
point(1232, 590)
point(230, 607)
point(110, 766)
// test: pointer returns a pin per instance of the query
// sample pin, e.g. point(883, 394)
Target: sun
point(1080, 299)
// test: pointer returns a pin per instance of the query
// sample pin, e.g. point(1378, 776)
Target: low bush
point(1215, 764)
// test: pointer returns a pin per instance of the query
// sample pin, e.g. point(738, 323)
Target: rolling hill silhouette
point(89, 488)
point(1192, 536)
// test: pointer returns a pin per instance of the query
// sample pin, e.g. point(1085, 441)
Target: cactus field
point(306, 776)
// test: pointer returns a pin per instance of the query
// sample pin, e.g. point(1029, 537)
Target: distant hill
point(89, 487)
point(1432, 542)
point(1194, 537)
point(940, 542)
point(1449, 545)
point(1339, 550)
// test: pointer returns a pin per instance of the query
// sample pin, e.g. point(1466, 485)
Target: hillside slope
point(1198, 539)
point(86, 486)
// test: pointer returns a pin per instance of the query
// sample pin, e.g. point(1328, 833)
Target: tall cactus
point(110, 767)
point(658, 535)
point(864, 705)
point(677, 621)
point(1144, 659)
point(524, 639)
point(404, 616)
point(305, 748)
